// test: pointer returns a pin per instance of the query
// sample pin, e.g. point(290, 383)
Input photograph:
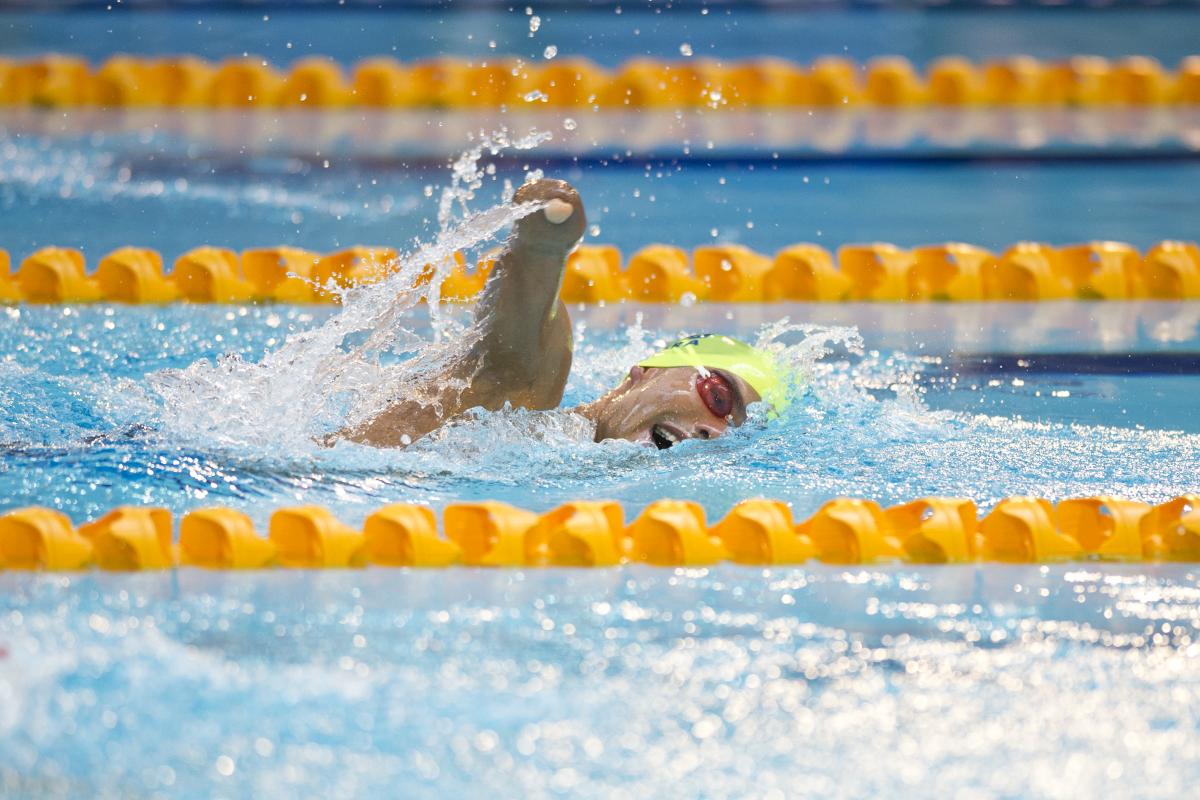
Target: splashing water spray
point(310, 385)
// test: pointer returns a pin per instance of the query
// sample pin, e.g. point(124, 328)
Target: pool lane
point(607, 34)
point(97, 418)
point(100, 196)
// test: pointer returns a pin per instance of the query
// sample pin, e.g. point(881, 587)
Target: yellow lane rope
point(658, 273)
point(55, 80)
point(668, 533)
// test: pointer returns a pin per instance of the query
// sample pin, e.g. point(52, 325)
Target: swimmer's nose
point(703, 431)
point(558, 211)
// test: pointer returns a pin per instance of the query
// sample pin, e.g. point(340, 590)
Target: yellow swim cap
point(714, 351)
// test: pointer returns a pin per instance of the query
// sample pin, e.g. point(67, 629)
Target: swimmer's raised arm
point(521, 350)
point(524, 353)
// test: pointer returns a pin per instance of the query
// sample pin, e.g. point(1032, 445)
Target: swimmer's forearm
point(520, 296)
point(519, 311)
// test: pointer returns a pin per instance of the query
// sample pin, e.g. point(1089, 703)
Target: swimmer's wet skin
point(695, 388)
point(521, 354)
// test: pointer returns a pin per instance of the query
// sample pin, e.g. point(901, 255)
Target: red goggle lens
point(716, 394)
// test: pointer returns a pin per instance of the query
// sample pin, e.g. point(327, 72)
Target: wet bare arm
point(522, 354)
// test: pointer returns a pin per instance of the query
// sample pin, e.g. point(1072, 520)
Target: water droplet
point(570, 124)
point(535, 96)
point(535, 22)
point(550, 52)
point(685, 50)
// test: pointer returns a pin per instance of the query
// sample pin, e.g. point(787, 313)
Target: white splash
point(799, 348)
point(349, 364)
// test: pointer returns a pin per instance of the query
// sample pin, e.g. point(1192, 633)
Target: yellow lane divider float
point(668, 533)
point(658, 273)
point(318, 82)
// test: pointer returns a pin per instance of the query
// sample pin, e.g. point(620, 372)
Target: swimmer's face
point(661, 406)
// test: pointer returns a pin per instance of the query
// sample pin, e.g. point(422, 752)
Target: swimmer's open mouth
point(663, 437)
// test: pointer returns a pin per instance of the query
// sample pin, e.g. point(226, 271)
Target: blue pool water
point(977, 682)
point(967, 682)
point(605, 35)
point(115, 194)
point(936, 411)
point(982, 681)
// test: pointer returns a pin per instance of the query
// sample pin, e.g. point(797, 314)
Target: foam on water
point(387, 338)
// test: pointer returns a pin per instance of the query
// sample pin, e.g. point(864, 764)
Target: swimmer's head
point(696, 388)
point(556, 226)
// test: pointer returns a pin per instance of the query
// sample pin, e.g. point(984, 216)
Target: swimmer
point(520, 355)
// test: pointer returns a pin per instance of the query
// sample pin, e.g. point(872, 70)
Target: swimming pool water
point(1004, 681)
point(112, 199)
point(604, 34)
point(982, 681)
point(93, 425)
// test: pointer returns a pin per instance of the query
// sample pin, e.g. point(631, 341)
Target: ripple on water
point(993, 681)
